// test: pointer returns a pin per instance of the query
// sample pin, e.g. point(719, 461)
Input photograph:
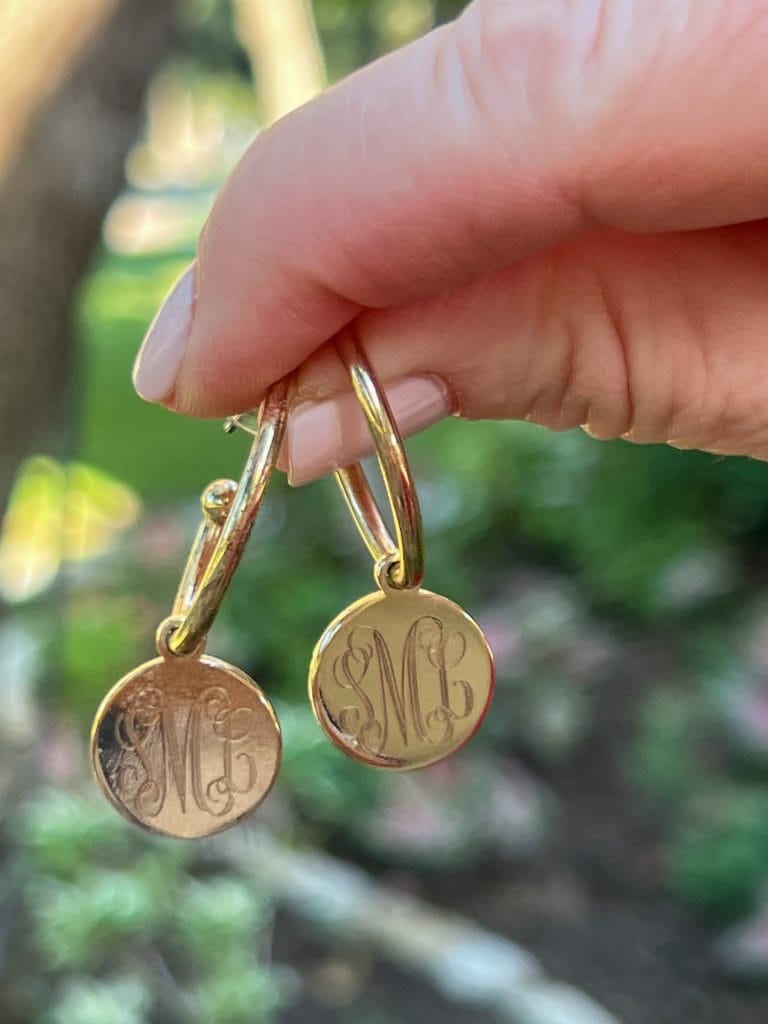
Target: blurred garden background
point(599, 855)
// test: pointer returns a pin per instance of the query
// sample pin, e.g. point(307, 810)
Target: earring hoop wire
point(406, 571)
point(230, 511)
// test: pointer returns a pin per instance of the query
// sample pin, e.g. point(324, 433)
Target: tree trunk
point(56, 190)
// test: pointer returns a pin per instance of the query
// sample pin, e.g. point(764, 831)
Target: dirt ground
point(592, 908)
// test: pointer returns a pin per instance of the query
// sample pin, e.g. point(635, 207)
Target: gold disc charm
point(401, 679)
point(186, 746)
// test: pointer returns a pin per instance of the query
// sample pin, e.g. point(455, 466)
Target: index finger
point(500, 135)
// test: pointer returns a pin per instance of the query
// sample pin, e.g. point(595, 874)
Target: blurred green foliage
point(719, 860)
point(664, 759)
point(160, 455)
point(129, 932)
point(352, 32)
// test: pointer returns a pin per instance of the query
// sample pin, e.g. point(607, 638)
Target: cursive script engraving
point(419, 705)
point(185, 748)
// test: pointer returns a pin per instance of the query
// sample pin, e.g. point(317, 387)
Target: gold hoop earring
point(186, 745)
point(403, 677)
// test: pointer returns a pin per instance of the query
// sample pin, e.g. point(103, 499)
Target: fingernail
point(159, 359)
point(324, 436)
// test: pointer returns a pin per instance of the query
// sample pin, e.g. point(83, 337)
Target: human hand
point(549, 209)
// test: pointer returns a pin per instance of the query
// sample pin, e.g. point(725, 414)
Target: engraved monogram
point(421, 704)
point(199, 758)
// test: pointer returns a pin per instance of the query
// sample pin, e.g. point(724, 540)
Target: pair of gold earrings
point(186, 745)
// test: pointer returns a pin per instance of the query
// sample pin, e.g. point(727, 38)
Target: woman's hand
point(549, 209)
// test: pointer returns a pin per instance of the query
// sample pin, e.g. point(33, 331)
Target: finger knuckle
point(557, 75)
point(542, 48)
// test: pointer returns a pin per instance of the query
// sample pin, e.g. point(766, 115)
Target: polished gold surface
point(401, 679)
point(186, 747)
point(216, 501)
point(404, 677)
point(408, 569)
point(230, 514)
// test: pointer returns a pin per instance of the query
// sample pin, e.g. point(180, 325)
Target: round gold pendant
point(401, 679)
point(186, 746)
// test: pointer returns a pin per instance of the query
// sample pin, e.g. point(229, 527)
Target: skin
point(557, 206)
